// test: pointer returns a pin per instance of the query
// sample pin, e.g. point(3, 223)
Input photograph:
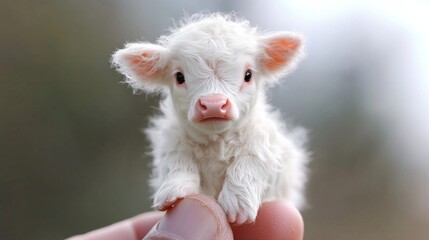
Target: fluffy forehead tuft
point(213, 37)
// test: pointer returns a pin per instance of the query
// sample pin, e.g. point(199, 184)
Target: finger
point(275, 220)
point(194, 217)
point(131, 229)
point(144, 222)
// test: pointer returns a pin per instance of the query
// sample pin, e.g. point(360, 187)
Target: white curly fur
point(242, 162)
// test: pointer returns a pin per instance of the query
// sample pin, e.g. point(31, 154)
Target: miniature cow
point(216, 134)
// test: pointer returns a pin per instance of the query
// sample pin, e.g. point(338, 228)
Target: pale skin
point(200, 217)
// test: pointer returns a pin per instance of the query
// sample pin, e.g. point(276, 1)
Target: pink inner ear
point(279, 51)
point(144, 65)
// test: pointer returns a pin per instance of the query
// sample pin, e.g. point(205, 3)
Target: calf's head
point(213, 67)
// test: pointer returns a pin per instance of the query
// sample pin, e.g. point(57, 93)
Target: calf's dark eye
point(180, 78)
point(248, 75)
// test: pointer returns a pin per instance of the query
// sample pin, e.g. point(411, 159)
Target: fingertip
point(275, 220)
point(295, 222)
point(194, 217)
point(144, 222)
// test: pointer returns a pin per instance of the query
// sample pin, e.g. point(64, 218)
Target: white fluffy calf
point(216, 134)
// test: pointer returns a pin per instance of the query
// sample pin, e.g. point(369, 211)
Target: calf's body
point(216, 133)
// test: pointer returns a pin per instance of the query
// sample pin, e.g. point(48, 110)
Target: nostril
point(203, 106)
point(224, 107)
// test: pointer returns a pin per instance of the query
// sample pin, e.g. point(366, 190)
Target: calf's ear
point(144, 65)
point(280, 53)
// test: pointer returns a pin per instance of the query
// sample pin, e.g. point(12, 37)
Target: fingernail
point(189, 219)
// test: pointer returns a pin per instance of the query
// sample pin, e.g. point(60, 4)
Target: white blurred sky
point(397, 97)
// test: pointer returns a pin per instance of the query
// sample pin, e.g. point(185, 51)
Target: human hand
point(200, 217)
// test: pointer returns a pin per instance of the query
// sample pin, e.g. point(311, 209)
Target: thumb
point(194, 217)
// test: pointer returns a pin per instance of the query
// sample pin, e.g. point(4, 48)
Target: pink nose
point(215, 106)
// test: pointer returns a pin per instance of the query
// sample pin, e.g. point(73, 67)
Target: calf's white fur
point(241, 160)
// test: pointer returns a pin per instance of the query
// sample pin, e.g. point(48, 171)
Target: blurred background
point(72, 155)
